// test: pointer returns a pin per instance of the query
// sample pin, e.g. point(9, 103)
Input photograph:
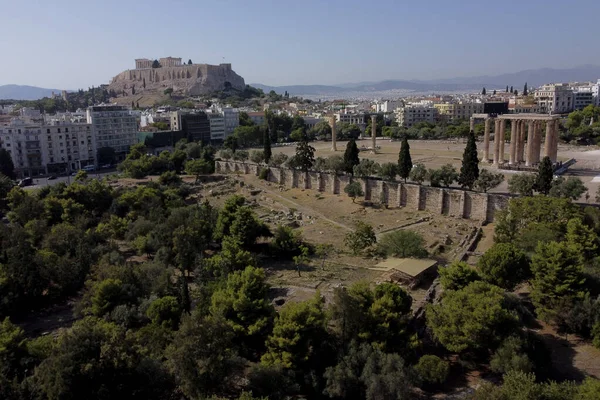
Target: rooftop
point(410, 266)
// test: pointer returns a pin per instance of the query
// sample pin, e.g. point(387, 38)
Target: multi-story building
point(257, 117)
point(582, 97)
point(113, 126)
point(596, 93)
point(457, 111)
point(232, 119)
point(56, 147)
point(387, 106)
point(555, 98)
point(217, 127)
point(195, 125)
point(351, 118)
point(412, 114)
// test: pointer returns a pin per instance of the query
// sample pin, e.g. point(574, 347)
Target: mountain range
point(533, 77)
point(23, 92)
point(387, 88)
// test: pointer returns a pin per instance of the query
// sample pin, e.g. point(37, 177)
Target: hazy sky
point(76, 44)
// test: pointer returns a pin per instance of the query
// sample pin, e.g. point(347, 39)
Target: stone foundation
point(452, 202)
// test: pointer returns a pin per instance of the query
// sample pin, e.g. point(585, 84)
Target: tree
point(155, 64)
point(388, 171)
point(231, 143)
point(7, 167)
point(351, 156)
point(354, 190)
point(189, 61)
point(469, 171)
point(488, 180)
point(444, 176)
point(557, 274)
point(144, 82)
point(305, 156)
point(418, 174)
point(277, 160)
point(582, 237)
point(525, 91)
point(494, 92)
point(361, 238)
point(543, 182)
point(368, 373)
point(511, 90)
point(597, 198)
point(168, 91)
point(246, 227)
point(483, 92)
point(366, 168)
point(257, 156)
point(165, 312)
point(572, 188)
point(522, 184)
point(403, 244)
point(6, 184)
point(457, 275)
point(404, 160)
point(244, 305)
point(197, 167)
point(504, 265)
point(297, 335)
point(511, 356)
point(473, 318)
point(201, 356)
point(432, 370)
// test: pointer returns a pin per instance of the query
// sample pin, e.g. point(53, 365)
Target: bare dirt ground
point(435, 153)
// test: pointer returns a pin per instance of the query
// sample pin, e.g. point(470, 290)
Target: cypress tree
point(267, 146)
point(469, 171)
point(483, 91)
point(525, 89)
point(404, 161)
point(543, 181)
point(351, 156)
point(506, 88)
point(511, 89)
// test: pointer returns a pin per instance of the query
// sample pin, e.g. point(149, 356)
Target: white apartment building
point(351, 118)
point(449, 111)
point(231, 117)
point(217, 127)
point(387, 106)
point(596, 93)
point(555, 98)
point(412, 114)
point(57, 147)
point(113, 126)
point(258, 117)
point(582, 97)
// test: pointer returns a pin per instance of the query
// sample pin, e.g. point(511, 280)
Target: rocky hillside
point(187, 80)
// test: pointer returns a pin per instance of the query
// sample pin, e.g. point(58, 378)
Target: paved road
point(41, 182)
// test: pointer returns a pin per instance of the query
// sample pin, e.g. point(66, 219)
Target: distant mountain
point(21, 92)
point(533, 77)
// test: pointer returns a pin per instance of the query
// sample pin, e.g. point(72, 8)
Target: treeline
point(75, 100)
point(583, 126)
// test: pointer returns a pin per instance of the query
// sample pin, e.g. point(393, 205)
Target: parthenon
point(523, 128)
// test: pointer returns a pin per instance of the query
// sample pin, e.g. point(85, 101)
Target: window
point(47, 130)
point(60, 136)
point(58, 131)
point(49, 138)
point(66, 129)
point(52, 159)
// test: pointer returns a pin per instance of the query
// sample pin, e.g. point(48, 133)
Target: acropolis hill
point(187, 79)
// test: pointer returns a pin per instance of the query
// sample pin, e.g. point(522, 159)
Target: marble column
point(333, 134)
point(502, 140)
point(496, 141)
point(374, 132)
point(530, 140)
point(521, 143)
point(537, 147)
point(554, 149)
point(513, 141)
point(486, 140)
point(472, 125)
point(548, 139)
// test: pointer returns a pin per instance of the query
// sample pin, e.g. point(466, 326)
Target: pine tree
point(267, 146)
point(351, 156)
point(525, 92)
point(494, 91)
point(190, 62)
point(7, 166)
point(506, 88)
point(511, 89)
point(404, 161)
point(144, 83)
point(469, 171)
point(483, 92)
point(545, 174)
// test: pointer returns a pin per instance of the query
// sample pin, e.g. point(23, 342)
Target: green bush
point(404, 244)
point(457, 276)
point(432, 369)
point(263, 174)
point(169, 178)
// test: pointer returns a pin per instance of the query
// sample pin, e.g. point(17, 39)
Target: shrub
point(432, 369)
point(169, 178)
point(354, 190)
point(510, 356)
point(263, 174)
point(504, 265)
point(403, 244)
point(457, 276)
point(361, 238)
point(286, 241)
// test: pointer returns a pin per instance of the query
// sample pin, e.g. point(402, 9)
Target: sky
point(72, 44)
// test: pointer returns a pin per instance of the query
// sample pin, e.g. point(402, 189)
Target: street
point(41, 182)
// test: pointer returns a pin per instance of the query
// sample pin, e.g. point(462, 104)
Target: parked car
point(26, 182)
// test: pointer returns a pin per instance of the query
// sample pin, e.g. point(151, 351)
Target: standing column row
point(486, 140)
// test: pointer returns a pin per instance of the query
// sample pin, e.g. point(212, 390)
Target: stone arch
point(188, 75)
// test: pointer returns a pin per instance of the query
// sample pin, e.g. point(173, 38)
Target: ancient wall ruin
point(452, 202)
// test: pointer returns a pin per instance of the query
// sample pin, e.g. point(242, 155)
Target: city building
point(195, 125)
point(387, 106)
point(53, 148)
point(258, 117)
point(414, 113)
point(351, 118)
point(457, 111)
point(596, 93)
point(555, 98)
point(583, 96)
point(217, 127)
point(113, 126)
